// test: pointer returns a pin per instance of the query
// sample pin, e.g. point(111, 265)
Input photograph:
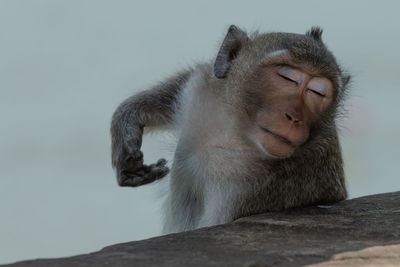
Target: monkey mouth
point(281, 138)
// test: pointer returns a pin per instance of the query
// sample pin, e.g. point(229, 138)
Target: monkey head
point(285, 87)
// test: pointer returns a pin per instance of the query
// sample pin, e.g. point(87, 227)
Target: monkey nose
point(292, 119)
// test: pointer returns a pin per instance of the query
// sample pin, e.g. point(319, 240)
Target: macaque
point(256, 130)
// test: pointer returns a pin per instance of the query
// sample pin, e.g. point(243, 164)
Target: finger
point(164, 171)
point(142, 176)
point(158, 173)
point(134, 179)
point(161, 162)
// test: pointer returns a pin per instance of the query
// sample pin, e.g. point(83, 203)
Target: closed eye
point(287, 78)
point(317, 93)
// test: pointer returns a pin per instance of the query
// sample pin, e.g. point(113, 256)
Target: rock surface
point(358, 232)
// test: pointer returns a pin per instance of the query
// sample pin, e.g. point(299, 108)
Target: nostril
point(292, 119)
point(288, 116)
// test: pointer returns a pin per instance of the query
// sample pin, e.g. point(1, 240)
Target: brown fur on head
point(289, 118)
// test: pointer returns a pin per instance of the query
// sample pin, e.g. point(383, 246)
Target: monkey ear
point(315, 33)
point(233, 42)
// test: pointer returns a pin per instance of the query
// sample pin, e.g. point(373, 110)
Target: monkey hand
point(132, 172)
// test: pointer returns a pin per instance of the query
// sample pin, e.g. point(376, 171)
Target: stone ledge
point(358, 232)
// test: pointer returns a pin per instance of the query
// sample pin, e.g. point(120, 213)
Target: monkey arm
point(150, 108)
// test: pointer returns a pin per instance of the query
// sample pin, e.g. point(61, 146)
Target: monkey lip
point(281, 138)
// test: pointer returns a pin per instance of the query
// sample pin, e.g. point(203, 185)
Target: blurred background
point(66, 65)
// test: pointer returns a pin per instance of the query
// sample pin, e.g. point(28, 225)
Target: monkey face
point(283, 86)
point(294, 98)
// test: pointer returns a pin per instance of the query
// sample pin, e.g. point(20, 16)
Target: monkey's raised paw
point(144, 175)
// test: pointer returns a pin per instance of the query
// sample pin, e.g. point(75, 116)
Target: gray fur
point(217, 175)
point(153, 107)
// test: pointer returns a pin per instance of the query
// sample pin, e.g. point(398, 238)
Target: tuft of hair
point(315, 33)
